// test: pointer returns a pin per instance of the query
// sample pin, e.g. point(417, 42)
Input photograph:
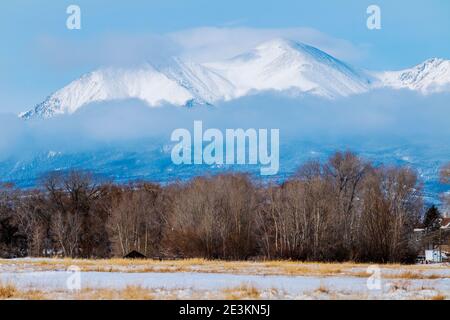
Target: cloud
point(108, 50)
point(212, 43)
point(385, 116)
point(204, 44)
point(129, 140)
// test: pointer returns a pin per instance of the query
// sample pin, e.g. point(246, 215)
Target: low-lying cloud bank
point(382, 116)
point(128, 140)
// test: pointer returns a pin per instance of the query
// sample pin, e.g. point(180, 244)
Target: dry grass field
point(118, 279)
point(293, 268)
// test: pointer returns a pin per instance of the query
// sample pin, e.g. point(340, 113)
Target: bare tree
point(137, 219)
point(66, 229)
point(74, 200)
point(346, 172)
point(12, 241)
point(392, 206)
point(214, 218)
point(35, 222)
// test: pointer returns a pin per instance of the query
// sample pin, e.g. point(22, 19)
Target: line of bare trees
point(344, 209)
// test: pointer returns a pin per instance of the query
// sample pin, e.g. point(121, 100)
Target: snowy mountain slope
point(282, 65)
point(206, 85)
point(431, 76)
point(274, 65)
point(145, 83)
point(279, 64)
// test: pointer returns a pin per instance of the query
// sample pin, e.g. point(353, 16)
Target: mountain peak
point(280, 43)
point(430, 64)
point(430, 76)
point(279, 64)
point(433, 61)
point(286, 46)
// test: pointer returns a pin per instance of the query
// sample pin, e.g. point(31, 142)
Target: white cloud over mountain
point(278, 65)
point(203, 44)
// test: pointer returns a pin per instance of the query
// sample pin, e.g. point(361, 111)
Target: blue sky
point(39, 55)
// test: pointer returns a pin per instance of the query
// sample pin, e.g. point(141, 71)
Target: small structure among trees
point(134, 255)
point(434, 236)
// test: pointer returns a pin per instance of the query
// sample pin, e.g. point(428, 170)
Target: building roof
point(445, 223)
point(135, 255)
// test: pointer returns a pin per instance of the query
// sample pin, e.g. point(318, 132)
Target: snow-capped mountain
point(274, 65)
point(431, 76)
point(279, 65)
point(144, 83)
point(282, 65)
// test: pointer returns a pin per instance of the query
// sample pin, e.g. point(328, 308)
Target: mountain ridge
point(278, 64)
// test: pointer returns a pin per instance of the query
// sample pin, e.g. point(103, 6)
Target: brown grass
point(413, 275)
point(322, 289)
point(242, 292)
point(9, 291)
point(31, 295)
point(129, 293)
point(438, 297)
point(293, 268)
point(276, 267)
point(400, 285)
point(136, 293)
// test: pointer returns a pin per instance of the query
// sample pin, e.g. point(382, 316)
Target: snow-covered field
point(77, 279)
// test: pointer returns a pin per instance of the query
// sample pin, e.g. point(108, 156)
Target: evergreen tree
point(432, 219)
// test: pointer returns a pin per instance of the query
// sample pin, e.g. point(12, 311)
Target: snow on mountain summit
point(145, 83)
point(282, 64)
point(278, 64)
point(431, 76)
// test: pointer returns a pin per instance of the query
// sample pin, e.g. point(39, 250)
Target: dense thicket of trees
point(344, 209)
